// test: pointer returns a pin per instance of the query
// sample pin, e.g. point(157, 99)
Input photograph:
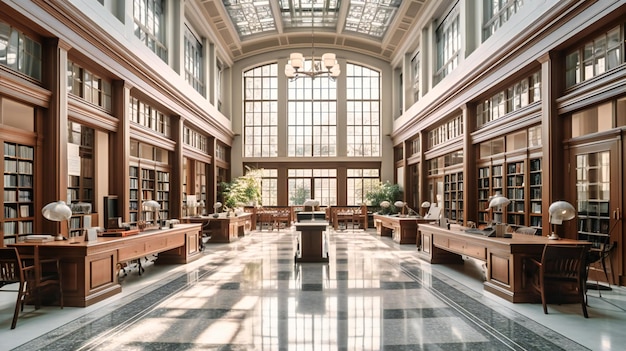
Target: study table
point(90, 268)
point(224, 229)
point(504, 257)
point(311, 241)
point(402, 230)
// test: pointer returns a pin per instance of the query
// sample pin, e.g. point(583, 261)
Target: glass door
point(596, 178)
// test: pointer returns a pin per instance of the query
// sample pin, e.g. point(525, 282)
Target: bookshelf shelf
point(453, 196)
point(515, 191)
point(18, 215)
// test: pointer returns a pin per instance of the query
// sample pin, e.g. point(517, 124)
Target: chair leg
point(19, 305)
point(543, 301)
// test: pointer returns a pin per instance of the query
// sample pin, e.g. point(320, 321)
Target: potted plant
point(242, 190)
point(383, 196)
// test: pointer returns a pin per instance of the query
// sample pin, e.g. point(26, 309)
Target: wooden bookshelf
point(80, 222)
point(453, 197)
point(515, 192)
point(18, 170)
point(148, 182)
point(133, 204)
point(535, 189)
point(484, 191)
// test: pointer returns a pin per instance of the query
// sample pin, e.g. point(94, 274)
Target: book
point(38, 238)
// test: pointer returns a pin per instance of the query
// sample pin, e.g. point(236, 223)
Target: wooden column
point(54, 185)
point(120, 149)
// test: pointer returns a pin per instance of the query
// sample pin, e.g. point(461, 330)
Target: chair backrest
point(564, 261)
point(10, 266)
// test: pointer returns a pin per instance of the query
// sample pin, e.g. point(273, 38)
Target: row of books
point(21, 227)
point(11, 211)
point(15, 166)
point(18, 195)
point(21, 151)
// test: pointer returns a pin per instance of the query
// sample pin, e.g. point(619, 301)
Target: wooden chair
point(47, 274)
point(560, 275)
point(32, 280)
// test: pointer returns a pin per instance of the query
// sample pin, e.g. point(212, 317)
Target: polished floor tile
point(373, 294)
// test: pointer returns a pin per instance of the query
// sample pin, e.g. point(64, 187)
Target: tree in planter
point(299, 195)
point(243, 190)
point(385, 193)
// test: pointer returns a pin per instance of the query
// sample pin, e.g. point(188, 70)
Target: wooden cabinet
point(19, 211)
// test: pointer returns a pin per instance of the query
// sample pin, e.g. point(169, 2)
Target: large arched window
point(261, 111)
point(362, 111)
point(312, 118)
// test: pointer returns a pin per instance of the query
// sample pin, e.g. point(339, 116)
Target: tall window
point(261, 111)
point(88, 86)
point(218, 84)
point(19, 52)
point(318, 184)
point(312, 117)
point(415, 84)
point(515, 97)
point(498, 12)
point(448, 40)
point(595, 57)
point(149, 117)
point(359, 183)
point(363, 111)
point(149, 25)
point(269, 187)
point(193, 61)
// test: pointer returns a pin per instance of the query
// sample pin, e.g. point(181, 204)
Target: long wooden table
point(224, 229)
point(90, 269)
point(504, 257)
point(402, 230)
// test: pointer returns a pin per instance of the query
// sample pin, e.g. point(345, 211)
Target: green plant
point(243, 190)
point(384, 192)
point(299, 195)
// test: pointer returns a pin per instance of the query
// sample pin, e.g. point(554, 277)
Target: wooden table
point(311, 241)
point(403, 230)
point(90, 269)
point(224, 229)
point(504, 257)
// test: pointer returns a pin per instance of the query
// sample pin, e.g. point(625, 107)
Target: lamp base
point(59, 238)
point(553, 236)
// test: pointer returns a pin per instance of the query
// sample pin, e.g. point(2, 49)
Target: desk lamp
point(560, 211)
point(400, 205)
point(154, 206)
point(58, 211)
point(425, 205)
point(216, 207)
point(497, 201)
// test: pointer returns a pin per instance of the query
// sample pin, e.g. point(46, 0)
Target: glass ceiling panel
point(250, 16)
point(298, 13)
point(367, 17)
point(371, 17)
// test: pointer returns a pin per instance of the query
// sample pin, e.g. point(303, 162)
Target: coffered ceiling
point(373, 27)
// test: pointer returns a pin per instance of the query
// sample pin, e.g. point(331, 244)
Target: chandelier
point(326, 67)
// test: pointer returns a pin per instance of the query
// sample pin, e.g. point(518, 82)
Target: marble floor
point(373, 294)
